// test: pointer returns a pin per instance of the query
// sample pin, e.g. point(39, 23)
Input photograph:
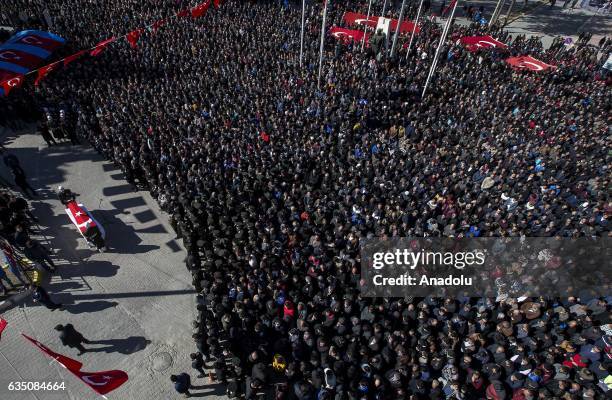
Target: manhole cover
point(162, 361)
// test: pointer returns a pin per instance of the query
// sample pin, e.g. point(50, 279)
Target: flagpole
point(384, 8)
point(302, 35)
point(397, 28)
point(495, 12)
point(365, 29)
point(442, 39)
point(322, 44)
point(508, 12)
point(414, 29)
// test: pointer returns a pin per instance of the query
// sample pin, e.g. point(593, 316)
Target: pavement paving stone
point(136, 299)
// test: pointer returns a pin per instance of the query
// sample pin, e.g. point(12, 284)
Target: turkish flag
point(42, 72)
point(200, 9)
point(80, 216)
point(133, 37)
point(49, 42)
point(66, 362)
point(101, 46)
point(3, 325)
point(474, 43)
point(6, 75)
point(11, 84)
point(347, 34)
point(73, 57)
point(20, 58)
point(104, 381)
point(405, 27)
point(528, 62)
point(352, 18)
point(101, 382)
point(264, 136)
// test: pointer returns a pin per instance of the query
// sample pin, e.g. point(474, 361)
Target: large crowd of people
point(272, 182)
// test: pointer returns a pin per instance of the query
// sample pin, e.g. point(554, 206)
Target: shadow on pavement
point(555, 21)
point(213, 389)
point(89, 306)
point(57, 287)
point(127, 240)
point(101, 269)
point(134, 294)
point(128, 345)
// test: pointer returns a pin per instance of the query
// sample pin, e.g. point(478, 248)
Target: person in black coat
point(71, 337)
point(182, 383)
point(21, 181)
point(44, 132)
point(38, 253)
point(21, 236)
point(197, 363)
point(40, 295)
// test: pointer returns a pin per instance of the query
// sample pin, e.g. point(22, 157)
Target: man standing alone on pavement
point(71, 337)
point(182, 383)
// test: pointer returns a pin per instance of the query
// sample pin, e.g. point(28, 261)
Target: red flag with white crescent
point(101, 382)
point(44, 40)
point(405, 27)
point(3, 325)
point(81, 217)
point(474, 43)
point(12, 83)
point(42, 72)
point(528, 62)
point(347, 34)
point(21, 58)
point(104, 381)
point(66, 362)
point(352, 18)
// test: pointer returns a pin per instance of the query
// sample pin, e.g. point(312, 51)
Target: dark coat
point(183, 383)
point(71, 337)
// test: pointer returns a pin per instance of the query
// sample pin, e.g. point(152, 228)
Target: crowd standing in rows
point(271, 183)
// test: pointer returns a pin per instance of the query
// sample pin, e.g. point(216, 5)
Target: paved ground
point(137, 297)
point(547, 22)
point(540, 19)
